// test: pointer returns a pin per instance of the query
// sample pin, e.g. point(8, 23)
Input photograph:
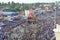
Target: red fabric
point(30, 14)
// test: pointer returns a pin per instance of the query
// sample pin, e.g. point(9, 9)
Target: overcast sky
point(28, 1)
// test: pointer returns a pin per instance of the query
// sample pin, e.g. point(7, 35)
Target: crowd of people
point(23, 30)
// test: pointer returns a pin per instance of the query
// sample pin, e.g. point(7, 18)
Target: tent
point(10, 13)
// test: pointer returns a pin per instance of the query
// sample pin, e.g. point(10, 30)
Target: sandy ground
point(57, 32)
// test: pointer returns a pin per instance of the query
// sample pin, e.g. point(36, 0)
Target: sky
point(28, 1)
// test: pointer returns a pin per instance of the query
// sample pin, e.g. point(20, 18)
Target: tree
point(17, 8)
point(0, 3)
point(8, 3)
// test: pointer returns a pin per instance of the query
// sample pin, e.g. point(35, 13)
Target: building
point(47, 6)
point(9, 15)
